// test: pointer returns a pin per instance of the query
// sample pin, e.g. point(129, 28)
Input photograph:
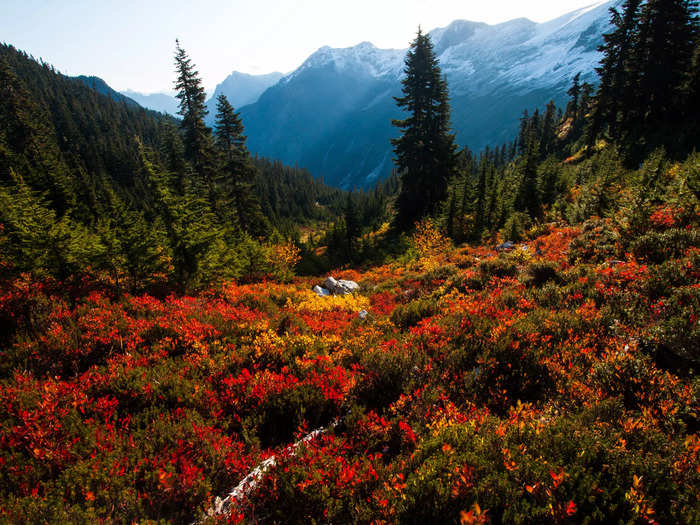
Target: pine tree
point(692, 105)
point(616, 77)
point(527, 198)
point(549, 130)
point(480, 201)
point(352, 223)
point(235, 184)
point(425, 153)
point(574, 93)
point(667, 39)
point(192, 97)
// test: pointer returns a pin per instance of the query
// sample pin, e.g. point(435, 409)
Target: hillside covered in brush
point(549, 384)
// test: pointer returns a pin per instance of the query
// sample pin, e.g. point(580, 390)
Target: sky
point(130, 44)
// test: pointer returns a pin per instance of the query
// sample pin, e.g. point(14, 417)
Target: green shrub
point(657, 247)
point(502, 266)
point(597, 243)
point(412, 313)
point(538, 273)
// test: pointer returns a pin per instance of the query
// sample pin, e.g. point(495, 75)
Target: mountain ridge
point(333, 114)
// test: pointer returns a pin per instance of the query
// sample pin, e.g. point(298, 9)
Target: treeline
point(644, 110)
point(90, 184)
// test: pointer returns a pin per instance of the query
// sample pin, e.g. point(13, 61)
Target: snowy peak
point(475, 56)
point(364, 59)
point(333, 114)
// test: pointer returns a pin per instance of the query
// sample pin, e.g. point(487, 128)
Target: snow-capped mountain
point(333, 114)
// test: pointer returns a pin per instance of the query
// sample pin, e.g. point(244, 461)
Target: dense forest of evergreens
point(90, 182)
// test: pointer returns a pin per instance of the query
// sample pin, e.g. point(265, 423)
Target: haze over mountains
point(156, 101)
point(333, 114)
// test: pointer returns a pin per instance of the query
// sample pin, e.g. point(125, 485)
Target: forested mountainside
point(90, 180)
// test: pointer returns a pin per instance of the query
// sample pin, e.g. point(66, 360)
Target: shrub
point(539, 273)
point(598, 242)
point(412, 313)
point(657, 247)
point(502, 266)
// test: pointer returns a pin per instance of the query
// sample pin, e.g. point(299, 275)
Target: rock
point(340, 287)
point(363, 314)
point(330, 284)
point(321, 292)
point(505, 247)
point(351, 286)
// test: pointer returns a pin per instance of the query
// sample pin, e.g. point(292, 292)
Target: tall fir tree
point(425, 152)
point(192, 97)
point(667, 38)
point(527, 198)
point(235, 182)
point(615, 91)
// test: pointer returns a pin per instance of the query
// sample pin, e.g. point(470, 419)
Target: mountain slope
point(103, 88)
point(333, 114)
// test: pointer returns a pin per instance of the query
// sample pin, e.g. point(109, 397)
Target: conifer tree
point(425, 152)
point(235, 185)
point(614, 71)
point(192, 97)
point(549, 131)
point(668, 33)
point(574, 92)
point(527, 198)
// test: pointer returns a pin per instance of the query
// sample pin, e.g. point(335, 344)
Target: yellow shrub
point(309, 301)
point(430, 244)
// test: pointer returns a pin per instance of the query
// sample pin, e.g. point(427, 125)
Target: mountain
point(333, 114)
point(103, 88)
point(156, 101)
point(241, 89)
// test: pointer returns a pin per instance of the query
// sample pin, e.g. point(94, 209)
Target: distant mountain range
point(241, 90)
point(161, 102)
point(333, 114)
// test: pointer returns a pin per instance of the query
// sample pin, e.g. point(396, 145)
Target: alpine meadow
point(454, 283)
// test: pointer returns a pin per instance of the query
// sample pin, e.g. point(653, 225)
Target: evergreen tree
point(235, 184)
point(664, 54)
point(692, 97)
point(549, 130)
point(192, 97)
point(527, 198)
point(574, 93)
point(425, 153)
point(480, 201)
point(616, 78)
point(352, 223)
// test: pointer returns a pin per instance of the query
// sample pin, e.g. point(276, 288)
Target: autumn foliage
point(480, 388)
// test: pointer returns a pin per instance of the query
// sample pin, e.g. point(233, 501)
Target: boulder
point(321, 292)
point(331, 284)
point(341, 287)
point(350, 286)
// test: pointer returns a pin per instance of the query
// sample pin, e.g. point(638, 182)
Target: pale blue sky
point(130, 43)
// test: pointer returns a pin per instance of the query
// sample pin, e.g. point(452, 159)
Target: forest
point(522, 347)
